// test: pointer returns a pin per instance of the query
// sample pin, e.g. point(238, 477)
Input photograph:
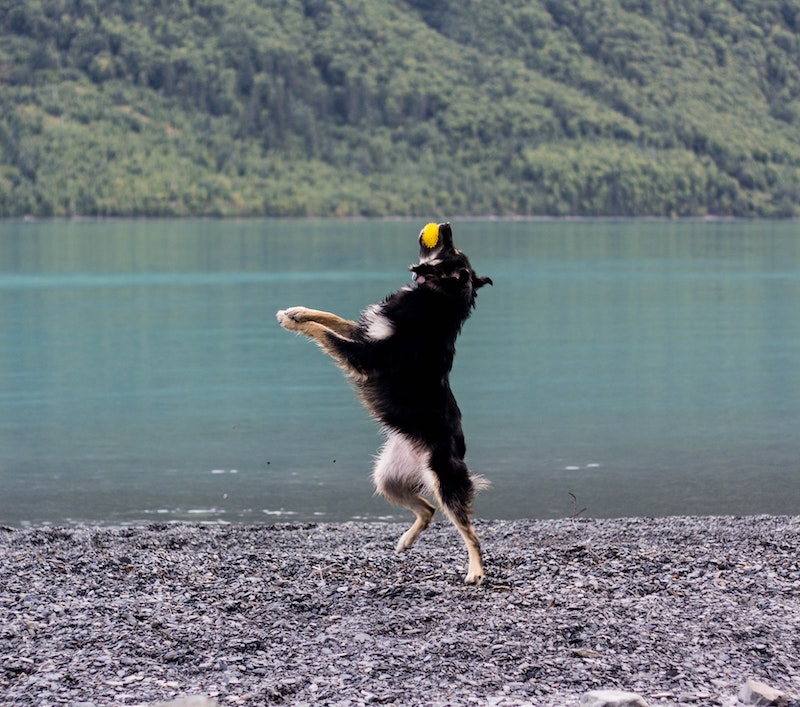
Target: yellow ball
point(430, 235)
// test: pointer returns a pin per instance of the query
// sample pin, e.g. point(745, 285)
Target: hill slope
point(423, 107)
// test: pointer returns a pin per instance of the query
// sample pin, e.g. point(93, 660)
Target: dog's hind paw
point(405, 542)
point(474, 577)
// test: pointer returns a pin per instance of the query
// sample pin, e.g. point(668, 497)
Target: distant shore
point(678, 610)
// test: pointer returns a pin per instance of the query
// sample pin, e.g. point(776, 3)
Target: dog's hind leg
point(456, 491)
point(424, 511)
point(400, 476)
point(461, 519)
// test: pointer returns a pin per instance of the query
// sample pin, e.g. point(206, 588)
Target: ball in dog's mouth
point(430, 235)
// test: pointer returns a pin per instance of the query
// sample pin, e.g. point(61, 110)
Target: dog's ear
point(478, 281)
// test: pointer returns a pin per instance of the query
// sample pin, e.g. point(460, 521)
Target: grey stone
point(252, 613)
point(612, 698)
point(190, 701)
point(757, 693)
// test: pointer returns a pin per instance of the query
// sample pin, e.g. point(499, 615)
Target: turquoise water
point(648, 368)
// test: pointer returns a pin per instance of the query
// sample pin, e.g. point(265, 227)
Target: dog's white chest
point(377, 326)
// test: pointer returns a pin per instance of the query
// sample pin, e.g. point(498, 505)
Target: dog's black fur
point(398, 356)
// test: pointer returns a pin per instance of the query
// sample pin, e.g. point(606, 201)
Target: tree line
point(415, 107)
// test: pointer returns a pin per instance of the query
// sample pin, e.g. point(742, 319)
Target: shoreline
point(681, 610)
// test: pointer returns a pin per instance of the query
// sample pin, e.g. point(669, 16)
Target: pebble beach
point(679, 610)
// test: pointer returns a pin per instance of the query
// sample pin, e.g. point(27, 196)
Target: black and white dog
point(398, 356)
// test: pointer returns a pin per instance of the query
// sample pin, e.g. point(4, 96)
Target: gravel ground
point(679, 610)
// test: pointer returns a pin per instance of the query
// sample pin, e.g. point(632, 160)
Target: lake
point(630, 368)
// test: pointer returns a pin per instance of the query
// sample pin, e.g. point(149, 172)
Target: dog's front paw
point(291, 317)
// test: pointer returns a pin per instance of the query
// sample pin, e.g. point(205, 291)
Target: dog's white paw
point(406, 541)
point(288, 318)
point(474, 577)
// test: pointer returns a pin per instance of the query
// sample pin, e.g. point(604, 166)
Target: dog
point(398, 356)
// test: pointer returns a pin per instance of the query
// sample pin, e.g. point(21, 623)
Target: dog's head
point(435, 239)
point(442, 266)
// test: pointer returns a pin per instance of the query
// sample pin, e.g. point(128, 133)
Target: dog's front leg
point(294, 317)
point(344, 350)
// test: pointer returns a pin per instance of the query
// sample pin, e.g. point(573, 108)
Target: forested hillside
point(417, 107)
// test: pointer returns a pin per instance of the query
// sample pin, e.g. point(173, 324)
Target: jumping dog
point(398, 356)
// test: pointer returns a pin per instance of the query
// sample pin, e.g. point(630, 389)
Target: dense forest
point(405, 107)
